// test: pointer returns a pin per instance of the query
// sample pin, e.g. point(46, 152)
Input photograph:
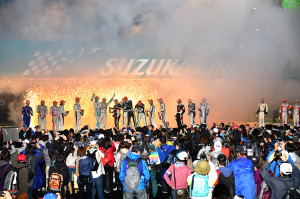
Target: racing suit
point(179, 115)
point(152, 115)
point(116, 114)
point(54, 112)
point(163, 113)
point(284, 111)
point(27, 113)
point(140, 109)
point(130, 113)
point(192, 113)
point(77, 109)
point(103, 112)
point(125, 114)
point(42, 112)
point(204, 111)
point(262, 112)
point(97, 111)
point(61, 119)
point(296, 110)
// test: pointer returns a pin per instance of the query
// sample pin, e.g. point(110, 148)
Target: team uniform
point(103, 112)
point(140, 109)
point(62, 115)
point(204, 111)
point(77, 109)
point(179, 115)
point(42, 112)
point(116, 114)
point(97, 108)
point(296, 111)
point(54, 112)
point(262, 112)
point(27, 113)
point(284, 111)
point(163, 113)
point(130, 114)
point(192, 113)
point(152, 115)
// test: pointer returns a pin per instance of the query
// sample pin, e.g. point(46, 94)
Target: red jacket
point(109, 157)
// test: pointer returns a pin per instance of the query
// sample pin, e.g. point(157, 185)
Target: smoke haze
point(235, 51)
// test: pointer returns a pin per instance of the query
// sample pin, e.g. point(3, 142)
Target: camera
point(278, 154)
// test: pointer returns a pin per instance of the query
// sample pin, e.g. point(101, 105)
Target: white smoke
point(255, 40)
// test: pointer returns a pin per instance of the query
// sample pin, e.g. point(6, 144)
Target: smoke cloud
point(236, 51)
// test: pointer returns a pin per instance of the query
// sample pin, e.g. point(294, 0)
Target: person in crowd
point(289, 176)
point(134, 175)
point(177, 174)
point(61, 168)
point(22, 174)
point(5, 167)
point(84, 167)
point(243, 173)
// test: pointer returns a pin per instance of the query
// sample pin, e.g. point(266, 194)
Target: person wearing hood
point(140, 191)
point(225, 175)
point(243, 173)
point(5, 167)
point(23, 174)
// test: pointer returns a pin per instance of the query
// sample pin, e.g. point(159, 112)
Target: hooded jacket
point(22, 177)
point(226, 177)
point(244, 177)
point(278, 184)
point(145, 175)
point(4, 164)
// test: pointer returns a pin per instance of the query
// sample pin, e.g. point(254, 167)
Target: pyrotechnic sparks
point(67, 90)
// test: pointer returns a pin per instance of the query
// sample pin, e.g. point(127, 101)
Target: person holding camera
point(289, 176)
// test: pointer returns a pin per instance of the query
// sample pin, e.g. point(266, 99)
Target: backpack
point(2, 180)
point(199, 186)
point(170, 159)
point(55, 182)
point(133, 174)
point(11, 183)
point(29, 167)
point(94, 158)
point(292, 193)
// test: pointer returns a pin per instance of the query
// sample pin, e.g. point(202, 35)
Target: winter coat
point(109, 157)
point(35, 159)
point(244, 177)
point(3, 165)
point(145, 175)
point(276, 184)
point(22, 177)
point(226, 177)
point(85, 167)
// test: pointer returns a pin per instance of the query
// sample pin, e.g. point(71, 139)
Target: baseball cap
point(182, 155)
point(286, 168)
point(62, 101)
point(21, 158)
point(202, 167)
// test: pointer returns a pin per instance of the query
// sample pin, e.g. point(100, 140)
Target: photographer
point(279, 149)
point(289, 176)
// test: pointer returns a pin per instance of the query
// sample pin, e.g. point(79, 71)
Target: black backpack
point(94, 158)
point(170, 159)
point(292, 193)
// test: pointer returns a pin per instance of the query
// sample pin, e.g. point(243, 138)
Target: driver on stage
point(78, 113)
point(42, 111)
point(284, 111)
point(296, 110)
point(54, 112)
point(140, 109)
point(97, 110)
point(152, 113)
point(191, 112)
point(162, 113)
point(262, 112)
point(179, 114)
point(27, 113)
point(204, 111)
point(62, 115)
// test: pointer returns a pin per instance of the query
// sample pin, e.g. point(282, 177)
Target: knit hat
point(286, 168)
point(202, 167)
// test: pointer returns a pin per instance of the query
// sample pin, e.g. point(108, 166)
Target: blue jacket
point(145, 175)
point(85, 167)
point(244, 177)
point(167, 149)
point(273, 164)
